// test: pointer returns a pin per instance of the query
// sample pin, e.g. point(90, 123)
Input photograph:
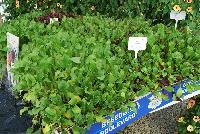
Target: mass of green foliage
point(156, 10)
point(76, 72)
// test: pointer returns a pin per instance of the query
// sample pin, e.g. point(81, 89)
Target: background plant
point(156, 10)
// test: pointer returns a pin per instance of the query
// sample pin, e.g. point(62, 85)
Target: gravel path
point(160, 122)
point(10, 120)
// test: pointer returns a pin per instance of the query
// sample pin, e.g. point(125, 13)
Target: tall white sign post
point(12, 56)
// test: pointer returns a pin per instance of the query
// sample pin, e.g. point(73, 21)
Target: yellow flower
point(189, 1)
point(191, 103)
point(58, 4)
point(196, 119)
point(180, 119)
point(177, 8)
point(61, 6)
point(189, 9)
point(17, 3)
point(190, 128)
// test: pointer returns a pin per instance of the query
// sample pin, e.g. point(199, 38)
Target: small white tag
point(137, 44)
point(177, 15)
point(52, 20)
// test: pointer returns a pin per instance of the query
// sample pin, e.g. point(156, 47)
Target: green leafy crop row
point(76, 72)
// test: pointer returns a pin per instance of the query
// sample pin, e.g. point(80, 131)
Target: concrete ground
point(10, 120)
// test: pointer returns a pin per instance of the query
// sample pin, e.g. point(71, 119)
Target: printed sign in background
point(12, 56)
point(147, 104)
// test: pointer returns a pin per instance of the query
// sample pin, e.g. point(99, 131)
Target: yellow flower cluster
point(190, 128)
point(178, 8)
point(196, 118)
point(59, 5)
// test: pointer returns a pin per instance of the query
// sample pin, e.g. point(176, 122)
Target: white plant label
point(137, 44)
point(12, 55)
point(177, 16)
point(52, 20)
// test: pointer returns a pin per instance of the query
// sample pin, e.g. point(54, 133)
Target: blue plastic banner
point(145, 105)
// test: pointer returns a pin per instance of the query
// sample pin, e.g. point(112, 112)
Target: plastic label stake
point(136, 52)
point(174, 15)
point(137, 44)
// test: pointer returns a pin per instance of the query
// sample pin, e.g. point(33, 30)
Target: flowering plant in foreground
point(189, 122)
point(185, 5)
